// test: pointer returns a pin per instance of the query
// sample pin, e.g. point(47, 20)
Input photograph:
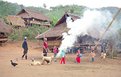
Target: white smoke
point(93, 22)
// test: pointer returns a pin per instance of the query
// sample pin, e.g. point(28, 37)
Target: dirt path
point(107, 68)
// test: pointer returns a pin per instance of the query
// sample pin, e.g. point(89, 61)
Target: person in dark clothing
point(25, 47)
point(103, 47)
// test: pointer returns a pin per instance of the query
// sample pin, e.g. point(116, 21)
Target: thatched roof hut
point(59, 28)
point(4, 28)
point(54, 35)
point(4, 31)
point(15, 21)
point(32, 17)
point(54, 32)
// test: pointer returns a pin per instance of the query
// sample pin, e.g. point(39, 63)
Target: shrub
point(30, 32)
point(14, 36)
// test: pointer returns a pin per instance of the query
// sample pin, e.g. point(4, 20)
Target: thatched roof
point(54, 32)
point(63, 19)
point(4, 28)
point(25, 13)
point(15, 21)
point(59, 28)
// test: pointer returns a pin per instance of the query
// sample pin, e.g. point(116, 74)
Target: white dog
point(33, 63)
point(46, 59)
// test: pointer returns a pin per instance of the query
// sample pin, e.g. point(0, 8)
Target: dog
point(103, 55)
point(47, 59)
point(33, 63)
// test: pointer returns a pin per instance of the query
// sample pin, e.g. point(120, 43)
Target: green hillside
point(55, 13)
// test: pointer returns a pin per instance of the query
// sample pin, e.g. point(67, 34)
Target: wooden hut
point(4, 31)
point(15, 21)
point(54, 35)
point(32, 17)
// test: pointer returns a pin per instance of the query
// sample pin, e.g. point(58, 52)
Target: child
point(92, 56)
point(78, 58)
point(55, 51)
point(62, 57)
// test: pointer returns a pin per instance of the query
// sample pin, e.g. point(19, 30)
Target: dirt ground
point(13, 50)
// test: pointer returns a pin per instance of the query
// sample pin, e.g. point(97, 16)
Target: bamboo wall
point(53, 43)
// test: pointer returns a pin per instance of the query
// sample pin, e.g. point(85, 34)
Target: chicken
point(13, 63)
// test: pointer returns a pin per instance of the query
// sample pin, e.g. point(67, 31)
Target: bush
point(30, 32)
point(14, 36)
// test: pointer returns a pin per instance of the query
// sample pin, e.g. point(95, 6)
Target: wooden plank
point(3, 39)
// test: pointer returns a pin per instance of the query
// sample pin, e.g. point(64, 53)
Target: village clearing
point(13, 50)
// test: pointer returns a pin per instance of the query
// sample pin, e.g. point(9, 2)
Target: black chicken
point(13, 63)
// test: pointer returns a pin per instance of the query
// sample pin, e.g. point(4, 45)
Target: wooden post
point(109, 26)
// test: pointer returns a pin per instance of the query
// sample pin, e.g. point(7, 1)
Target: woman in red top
point(78, 59)
point(45, 47)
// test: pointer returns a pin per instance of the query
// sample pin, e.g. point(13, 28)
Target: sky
point(52, 3)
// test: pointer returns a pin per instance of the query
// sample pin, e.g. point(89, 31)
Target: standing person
point(45, 47)
point(78, 58)
point(25, 47)
point(103, 50)
point(62, 57)
point(55, 51)
point(103, 47)
point(92, 54)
